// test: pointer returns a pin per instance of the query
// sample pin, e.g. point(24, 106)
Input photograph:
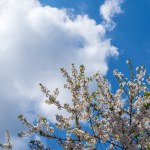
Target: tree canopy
point(120, 120)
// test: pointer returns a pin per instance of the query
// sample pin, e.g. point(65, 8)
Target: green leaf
point(148, 148)
point(147, 105)
point(147, 94)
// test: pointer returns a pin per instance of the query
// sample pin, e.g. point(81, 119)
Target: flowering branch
point(8, 145)
point(120, 119)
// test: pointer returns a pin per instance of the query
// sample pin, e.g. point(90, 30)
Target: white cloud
point(108, 10)
point(35, 41)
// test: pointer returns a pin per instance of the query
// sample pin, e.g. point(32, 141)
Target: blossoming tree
point(121, 120)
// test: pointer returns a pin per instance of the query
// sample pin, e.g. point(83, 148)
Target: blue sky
point(39, 37)
point(131, 34)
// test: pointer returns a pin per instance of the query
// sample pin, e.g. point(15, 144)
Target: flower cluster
point(51, 98)
point(8, 145)
point(42, 127)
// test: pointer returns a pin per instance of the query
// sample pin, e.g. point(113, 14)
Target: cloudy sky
point(37, 37)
